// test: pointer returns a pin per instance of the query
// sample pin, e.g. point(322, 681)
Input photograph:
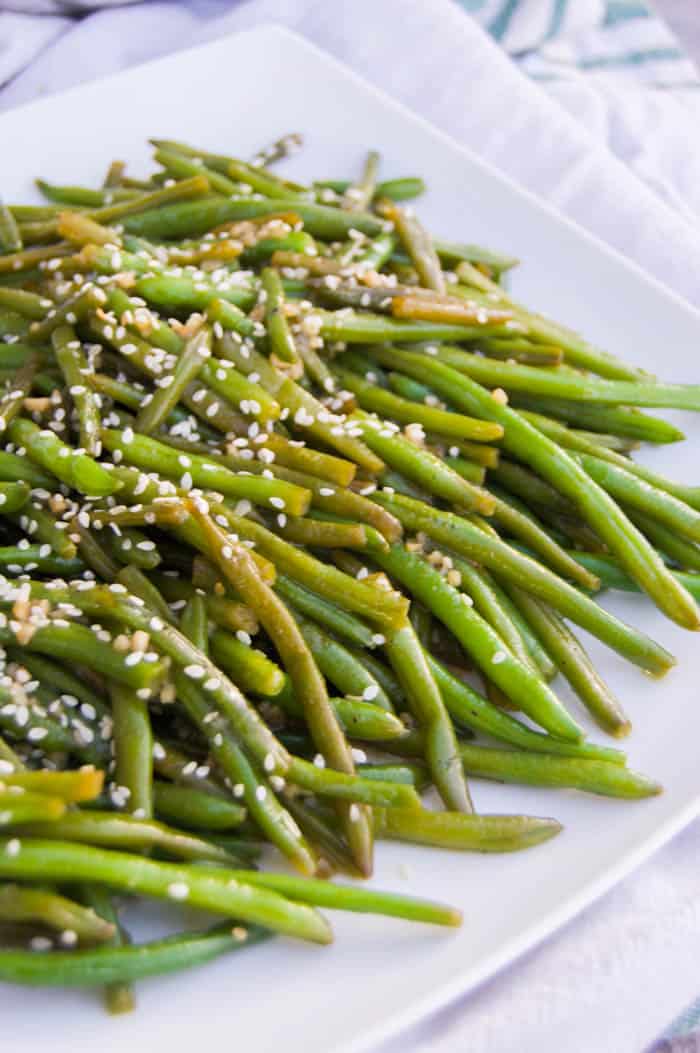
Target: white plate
point(380, 976)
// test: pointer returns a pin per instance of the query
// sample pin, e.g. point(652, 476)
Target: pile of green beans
point(299, 513)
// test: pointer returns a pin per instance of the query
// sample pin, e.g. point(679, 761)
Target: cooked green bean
point(118, 965)
point(566, 475)
point(536, 769)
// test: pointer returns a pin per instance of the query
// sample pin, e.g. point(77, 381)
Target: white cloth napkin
point(456, 78)
point(614, 978)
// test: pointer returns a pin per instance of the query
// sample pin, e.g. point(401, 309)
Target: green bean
point(479, 584)
point(471, 833)
point(169, 762)
point(599, 510)
point(513, 522)
point(119, 995)
point(641, 495)
point(193, 218)
point(76, 469)
point(13, 497)
point(365, 328)
point(358, 196)
point(619, 420)
point(74, 367)
point(589, 443)
point(379, 400)
point(93, 553)
point(133, 749)
point(181, 167)
point(507, 562)
point(324, 611)
point(83, 196)
point(477, 637)
point(360, 720)
point(298, 457)
point(279, 334)
point(175, 292)
point(12, 324)
point(195, 808)
point(90, 968)
point(302, 670)
point(300, 404)
point(468, 708)
point(81, 230)
point(592, 776)
point(681, 551)
point(570, 657)
point(382, 674)
point(577, 351)
point(340, 666)
point(71, 786)
point(418, 244)
point(537, 652)
point(21, 560)
point(528, 486)
point(12, 400)
point(229, 316)
point(382, 609)
point(41, 525)
point(41, 907)
point(10, 237)
point(251, 669)
point(88, 298)
point(343, 503)
point(348, 897)
point(327, 782)
point(25, 260)
point(28, 807)
point(317, 533)
point(612, 576)
point(229, 614)
point(128, 832)
point(64, 861)
point(165, 398)
point(421, 466)
point(149, 454)
point(409, 664)
point(221, 162)
point(78, 643)
point(414, 773)
point(469, 470)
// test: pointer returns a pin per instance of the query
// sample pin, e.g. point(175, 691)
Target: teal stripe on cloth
point(631, 58)
point(613, 36)
point(499, 25)
point(557, 18)
point(689, 1020)
point(623, 11)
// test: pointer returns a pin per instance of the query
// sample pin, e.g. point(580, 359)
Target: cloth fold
point(628, 172)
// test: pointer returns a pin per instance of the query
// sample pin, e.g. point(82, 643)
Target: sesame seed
point(194, 672)
point(40, 943)
point(178, 890)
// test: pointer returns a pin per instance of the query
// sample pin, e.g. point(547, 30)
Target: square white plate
point(235, 96)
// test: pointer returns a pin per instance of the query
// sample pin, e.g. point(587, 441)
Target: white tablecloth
point(626, 165)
